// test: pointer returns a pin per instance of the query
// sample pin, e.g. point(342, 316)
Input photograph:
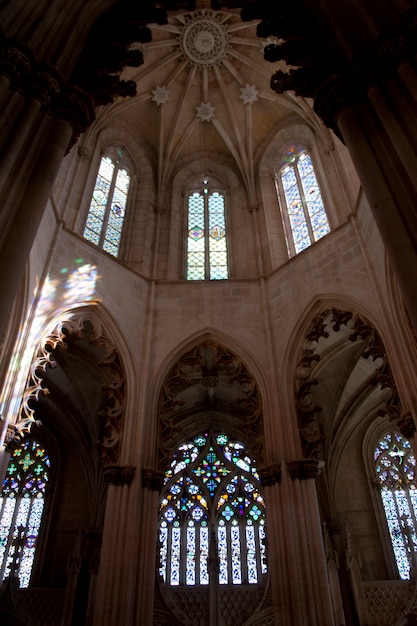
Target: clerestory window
point(107, 210)
point(303, 213)
point(206, 235)
point(212, 515)
point(21, 509)
point(395, 467)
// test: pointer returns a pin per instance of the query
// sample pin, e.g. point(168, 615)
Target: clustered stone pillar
point(373, 107)
point(42, 117)
point(114, 571)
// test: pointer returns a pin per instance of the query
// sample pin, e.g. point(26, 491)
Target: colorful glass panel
point(108, 205)
point(212, 483)
point(206, 255)
point(21, 509)
point(305, 218)
point(395, 466)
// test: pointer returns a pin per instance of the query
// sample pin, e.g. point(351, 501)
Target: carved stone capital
point(153, 480)
point(75, 107)
point(45, 84)
point(270, 475)
point(119, 475)
point(305, 468)
point(16, 62)
point(406, 425)
point(12, 439)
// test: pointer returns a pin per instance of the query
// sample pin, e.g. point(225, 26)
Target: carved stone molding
point(12, 440)
point(119, 475)
point(270, 475)
point(45, 83)
point(406, 425)
point(152, 479)
point(209, 379)
point(304, 469)
point(313, 427)
point(71, 329)
point(315, 67)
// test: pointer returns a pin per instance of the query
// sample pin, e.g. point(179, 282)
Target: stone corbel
point(406, 425)
point(305, 468)
point(119, 475)
point(152, 479)
point(270, 475)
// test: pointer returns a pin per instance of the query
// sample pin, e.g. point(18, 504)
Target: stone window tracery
point(303, 213)
point(212, 515)
point(22, 503)
point(207, 255)
point(395, 467)
point(107, 210)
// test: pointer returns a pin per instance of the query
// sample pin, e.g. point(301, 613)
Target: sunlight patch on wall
point(76, 286)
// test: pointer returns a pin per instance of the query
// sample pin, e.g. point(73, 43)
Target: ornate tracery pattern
point(206, 236)
point(395, 467)
point(212, 515)
point(21, 507)
point(303, 212)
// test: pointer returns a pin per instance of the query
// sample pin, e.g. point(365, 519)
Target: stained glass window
point(303, 212)
point(21, 507)
point(206, 236)
point(108, 205)
point(212, 515)
point(395, 466)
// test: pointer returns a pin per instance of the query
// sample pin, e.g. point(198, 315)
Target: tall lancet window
point(206, 235)
point(212, 515)
point(21, 508)
point(107, 211)
point(303, 213)
point(395, 466)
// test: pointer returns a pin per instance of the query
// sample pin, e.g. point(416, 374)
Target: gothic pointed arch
point(209, 385)
point(76, 379)
point(211, 552)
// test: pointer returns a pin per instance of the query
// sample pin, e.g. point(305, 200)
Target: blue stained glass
point(21, 508)
point(394, 464)
point(206, 255)
point(106, 214)
point(211, 481)
point(306, 220)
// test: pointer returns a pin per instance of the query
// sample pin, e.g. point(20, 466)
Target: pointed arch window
point(303, 213)
point(395, 467)
point(107, 210)
point(212, 516)
point(22, 505)
point(206, 235)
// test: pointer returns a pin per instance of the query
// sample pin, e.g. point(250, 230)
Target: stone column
point(110, 597)
point(310, 588)
point(372, 106)
point(33, 142)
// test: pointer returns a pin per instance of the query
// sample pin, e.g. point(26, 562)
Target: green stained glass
point(206, 237)
point(21, 508)
point(212, 480)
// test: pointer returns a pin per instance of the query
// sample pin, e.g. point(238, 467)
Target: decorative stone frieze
point(270, 475)
point(119, 475)
point(152, 479)
point(305, 468)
